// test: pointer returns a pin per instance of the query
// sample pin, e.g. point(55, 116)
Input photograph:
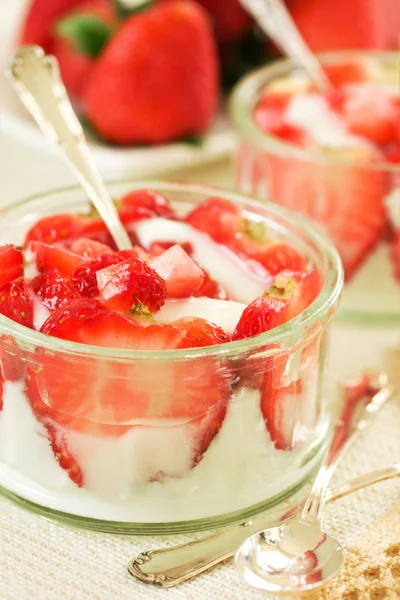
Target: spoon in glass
point(275, 20)
point(298, 555)
point(35, 77)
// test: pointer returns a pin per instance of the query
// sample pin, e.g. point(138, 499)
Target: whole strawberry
point(157, 80)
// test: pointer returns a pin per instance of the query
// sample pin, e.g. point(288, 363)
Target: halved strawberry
point(88, 248)
point(11, 264)
point(200, 332)
point(270, 110)
point(126, 285)
point(345, 197)
point(181, 275)
point(52, 229)
point(54, 289)
point(16, 303)
point(291, 293)
point(50, 257)
point(144, 204)
point(370, 112)
point(228, 224)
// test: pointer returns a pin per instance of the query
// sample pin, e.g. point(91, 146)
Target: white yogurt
point(240, 468)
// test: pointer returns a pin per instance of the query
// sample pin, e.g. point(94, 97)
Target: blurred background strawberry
point(150, 71)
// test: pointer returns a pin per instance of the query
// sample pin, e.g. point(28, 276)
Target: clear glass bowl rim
point(326, 300)
point(247, 91)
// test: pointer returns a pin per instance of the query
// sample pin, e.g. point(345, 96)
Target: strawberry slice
point(66, 459)
point(11, 262)
point(49, 257)
point(228, 224)
point(290, 294)
point(16, 303)
point(130, 284)
point(89, 249)
point(52, 229)
point(371, 112)
point(144, 204)
point(181, 275)
point(217, 217)
point(270, 110)
point(345, 197)
point(200, 332)
point(54, 289)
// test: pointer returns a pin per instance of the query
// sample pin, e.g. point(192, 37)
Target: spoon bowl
point(292, 558)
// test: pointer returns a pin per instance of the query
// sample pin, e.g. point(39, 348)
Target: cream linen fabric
point(43, 560)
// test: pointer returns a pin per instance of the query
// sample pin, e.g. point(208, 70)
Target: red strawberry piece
point(134, 252)
point(369, 111)
point(84, 277)
point(280, 410)
point(89, 249)
point(274, 256)
point(167, 90)
point(291, 293)
point(52, 229)
point(131, 284)
point(200, 332)
point(159, 247)
point(345, 194)
point(270, 110)
point(54, 289)
point(16, 303)
point(40, 19)
point(80, 36)
point(11, 264)
point(144, 204)
point(211, 288)
point(49, 257)
point(217, 217)
point(181, 275)
point(66, 459)
point(341, 74)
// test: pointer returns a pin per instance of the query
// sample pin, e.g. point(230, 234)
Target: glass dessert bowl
point(335, 159)
point(133, 398)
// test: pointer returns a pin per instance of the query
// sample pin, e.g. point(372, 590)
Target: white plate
point(113, 161)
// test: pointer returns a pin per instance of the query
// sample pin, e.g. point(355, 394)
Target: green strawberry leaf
point(125, 8)
point(194, 140)
point(88, 33)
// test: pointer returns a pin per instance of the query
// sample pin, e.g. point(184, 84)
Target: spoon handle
point(36, 78)
point(354, 418)
point(168, 567)
point(276, 22)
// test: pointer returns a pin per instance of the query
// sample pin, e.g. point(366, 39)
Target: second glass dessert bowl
point(335, 159)
point(117, 436)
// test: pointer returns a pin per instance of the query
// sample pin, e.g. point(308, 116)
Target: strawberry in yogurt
point(123, 430)
point(340, 152)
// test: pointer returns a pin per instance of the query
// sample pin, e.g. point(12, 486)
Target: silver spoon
point(299, 555)
point(275, 20)
point(168, 567)
point(36, 78)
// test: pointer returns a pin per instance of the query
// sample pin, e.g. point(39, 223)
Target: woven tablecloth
point(44, 560)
